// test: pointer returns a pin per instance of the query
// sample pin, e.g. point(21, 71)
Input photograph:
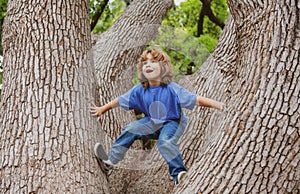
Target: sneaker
point(100, 152)
point(107, 165)
point(102, 156)
point(180, 177)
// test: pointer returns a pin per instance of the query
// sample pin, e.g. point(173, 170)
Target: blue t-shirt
point(160, 103)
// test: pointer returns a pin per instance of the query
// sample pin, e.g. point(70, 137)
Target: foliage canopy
point(177, 35)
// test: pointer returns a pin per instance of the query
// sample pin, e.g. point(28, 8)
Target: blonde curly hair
point(164, 61)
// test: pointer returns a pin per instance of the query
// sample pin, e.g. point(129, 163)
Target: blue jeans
point(166, 133)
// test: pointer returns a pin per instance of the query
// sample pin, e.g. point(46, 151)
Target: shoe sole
point(181, 176)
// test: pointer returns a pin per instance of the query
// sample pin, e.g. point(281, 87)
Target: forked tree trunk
point(47, 134)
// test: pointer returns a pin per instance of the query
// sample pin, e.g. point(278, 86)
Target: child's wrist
point(217, 105)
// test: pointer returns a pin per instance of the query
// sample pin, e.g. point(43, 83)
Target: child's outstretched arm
point(97, 111)
point(207, 102)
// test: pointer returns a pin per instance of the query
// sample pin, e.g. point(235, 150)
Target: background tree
point(206, 10)
point(190, 16)
point(104, 12)
point(97, 8)
point(190, 19)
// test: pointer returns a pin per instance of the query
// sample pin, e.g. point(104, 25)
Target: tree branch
point(98, 14)
point(206, 11)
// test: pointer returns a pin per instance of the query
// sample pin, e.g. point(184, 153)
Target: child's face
point(151, 69)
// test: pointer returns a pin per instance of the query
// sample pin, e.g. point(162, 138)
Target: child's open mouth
point(149, 71)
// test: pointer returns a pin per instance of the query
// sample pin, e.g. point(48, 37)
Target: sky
point(177, 2)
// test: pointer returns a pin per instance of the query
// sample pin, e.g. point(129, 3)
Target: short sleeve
point(127, 100)
point(186, 98)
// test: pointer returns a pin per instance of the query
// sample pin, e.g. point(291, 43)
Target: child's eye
point(144, 63)
point(153, 61)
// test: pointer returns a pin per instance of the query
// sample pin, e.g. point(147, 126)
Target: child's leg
point(139, 129)
point(169, 149)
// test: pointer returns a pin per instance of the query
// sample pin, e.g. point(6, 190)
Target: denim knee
point(168, 149)
point(126, 138)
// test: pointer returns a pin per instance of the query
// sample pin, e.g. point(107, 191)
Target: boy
point(161, 101)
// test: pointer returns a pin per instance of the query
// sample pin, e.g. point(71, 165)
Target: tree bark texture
point(47, 134)
point(254, 146)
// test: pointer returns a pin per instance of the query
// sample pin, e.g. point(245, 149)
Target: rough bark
point(48, 85)
point(254, 146)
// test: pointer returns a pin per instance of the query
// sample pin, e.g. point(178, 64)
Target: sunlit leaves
point(114, 9)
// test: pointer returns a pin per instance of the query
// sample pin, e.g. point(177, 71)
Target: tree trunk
point(253, 147)
point(47, 134)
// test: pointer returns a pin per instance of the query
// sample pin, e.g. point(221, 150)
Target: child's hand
point(96, 111)
point(207, 102)
point(220, 106)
